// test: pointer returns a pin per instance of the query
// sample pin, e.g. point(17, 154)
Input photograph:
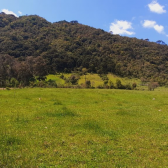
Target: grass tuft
point(123, 112)
point(57, 103)
point(10, 141)
point(64, 112)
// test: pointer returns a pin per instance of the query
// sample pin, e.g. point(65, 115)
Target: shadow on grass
point(9, 141)
point(21, 120)
point(123, 112)
point(64, 112)
point(97, 129)
point(57, 102)
point(8, 145)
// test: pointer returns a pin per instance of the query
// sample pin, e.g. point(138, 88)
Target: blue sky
point(133, 18)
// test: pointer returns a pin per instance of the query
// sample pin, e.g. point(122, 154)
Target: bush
point(14, 82)
point(62, 76)
point(152, 85)
point(119, 84)
point(128, 86)
point(52, 83)
point(105, 82)
point(41, 84)
point(134, 85)
point(104, 77)
point(88, 84)
point(7, 83)
point(106, 87)
point(100, 87)
point(7, 88)
point(111, 85)
point(73, 79)
point(33, 84)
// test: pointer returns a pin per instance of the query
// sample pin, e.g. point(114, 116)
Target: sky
point(142, 19)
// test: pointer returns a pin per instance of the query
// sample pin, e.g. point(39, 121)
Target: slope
point(70, 45)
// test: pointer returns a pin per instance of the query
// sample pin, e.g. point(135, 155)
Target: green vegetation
point(90, 80)
point(93, 78)
point(83, 128)
point(30, 43)
point(46, 126)
point(56, 78)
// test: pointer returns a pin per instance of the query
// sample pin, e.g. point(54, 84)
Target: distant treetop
point(161, 42)
point(74, 21)
point(146, 39)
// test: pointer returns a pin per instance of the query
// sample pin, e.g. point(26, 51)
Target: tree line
point(15, 73)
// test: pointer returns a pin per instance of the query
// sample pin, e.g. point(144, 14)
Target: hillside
point(65, 46)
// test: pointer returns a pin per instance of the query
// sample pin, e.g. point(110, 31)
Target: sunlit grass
point(94, 79)
point(83, 128)
point(124, 81)
point(56, 78)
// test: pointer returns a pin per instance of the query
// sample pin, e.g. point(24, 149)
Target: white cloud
point(9, 12)
point(159, 29)
point(20, 13)
point(121, 27)
point(154, 6)
point(149, 23)
point(154, 25)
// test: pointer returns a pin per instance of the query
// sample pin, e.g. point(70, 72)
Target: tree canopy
point(66, 46)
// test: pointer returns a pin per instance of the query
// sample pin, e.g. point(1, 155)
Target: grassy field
point(113, 78)
point(96, 80)
point(57, 79)
point(50, 127)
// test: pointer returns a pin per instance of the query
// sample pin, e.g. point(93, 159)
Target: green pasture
point(56, 78)
point(96, 80)
point(113, 78)
point(83, 128)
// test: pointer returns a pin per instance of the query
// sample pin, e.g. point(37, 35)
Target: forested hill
point(66, 46)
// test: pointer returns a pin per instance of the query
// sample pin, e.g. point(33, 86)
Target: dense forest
point(31, 46)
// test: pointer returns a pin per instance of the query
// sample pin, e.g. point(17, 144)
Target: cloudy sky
point(133, 18)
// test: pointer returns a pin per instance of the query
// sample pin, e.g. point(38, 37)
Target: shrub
point(73, 79)
point(33, 84)
point(7, 83)
point(105, 82)
point(62, 76)
point(88, 84)
point(14, 82)
point(119, 84)
point(134, 85)
point(111, 84)
point(128, 86)
point(104, 77)
point(41, 84)
point(106, 87)
point(152, 85)
point(100, 87)
point(52, 83)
